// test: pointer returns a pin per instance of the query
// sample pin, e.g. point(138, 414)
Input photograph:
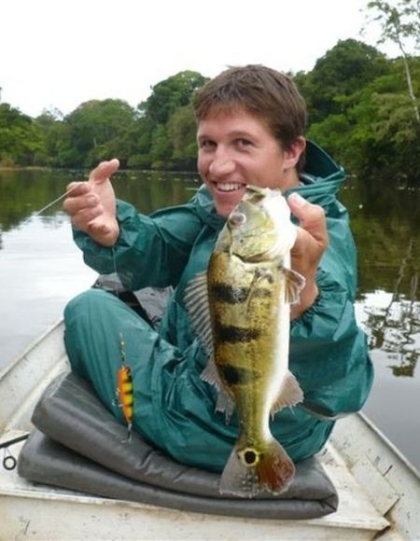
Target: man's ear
point(293, 153)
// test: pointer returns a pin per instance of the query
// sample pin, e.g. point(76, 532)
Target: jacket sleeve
point(328, 351)
point(150, 250)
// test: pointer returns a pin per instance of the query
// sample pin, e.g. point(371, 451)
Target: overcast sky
point(61, 53)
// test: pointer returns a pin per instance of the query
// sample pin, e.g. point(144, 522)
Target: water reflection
point(386, 225)
point(395, 330)
point(25, 192)
point(394, 327)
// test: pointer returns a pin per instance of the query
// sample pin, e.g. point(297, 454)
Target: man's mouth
point(229, 186)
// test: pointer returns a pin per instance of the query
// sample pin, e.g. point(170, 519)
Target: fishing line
point(43, 209)
point(115, 288)
point(52, 203)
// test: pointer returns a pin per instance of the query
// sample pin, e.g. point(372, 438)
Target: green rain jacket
point(173, 407)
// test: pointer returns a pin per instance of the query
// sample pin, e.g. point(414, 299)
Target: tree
point(50, 123)
point(139, 143)
point(182, 130)
point(97, 128)
point(343, 70)
point(169, 111)
point(399, 22)
point(20, 137)
point(168, 95)
point(377, 136)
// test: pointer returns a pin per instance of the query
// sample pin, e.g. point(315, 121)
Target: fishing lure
point(124, 389)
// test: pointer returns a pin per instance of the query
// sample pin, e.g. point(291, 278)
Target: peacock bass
point(240, 308)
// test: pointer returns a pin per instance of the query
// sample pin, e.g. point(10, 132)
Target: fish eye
point(237, 218)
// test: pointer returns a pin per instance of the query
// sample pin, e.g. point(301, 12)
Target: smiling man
point(250, 130)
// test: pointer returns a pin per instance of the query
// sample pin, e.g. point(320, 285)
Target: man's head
point(269, 94)
point(251, 122)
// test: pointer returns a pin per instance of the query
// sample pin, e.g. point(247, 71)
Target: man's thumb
point(104, 170)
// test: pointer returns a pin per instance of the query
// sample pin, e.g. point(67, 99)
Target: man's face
point(237, 148)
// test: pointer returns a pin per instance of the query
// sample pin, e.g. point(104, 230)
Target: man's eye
point(243, 143)
point(207, 144)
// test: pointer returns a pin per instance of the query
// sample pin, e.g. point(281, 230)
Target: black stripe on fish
point(237, 295)
point(234, 334)
point(236, 376)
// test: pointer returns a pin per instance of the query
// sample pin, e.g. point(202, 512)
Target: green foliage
point(343, 70)
point(169, 95)
point(376, 132)
point(171, 117)
point(399, 21)
point(20, 137)
point(97, 128)
point(182, 129)
point(358, 104)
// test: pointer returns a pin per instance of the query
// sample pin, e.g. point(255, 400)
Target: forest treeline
point(358, 103)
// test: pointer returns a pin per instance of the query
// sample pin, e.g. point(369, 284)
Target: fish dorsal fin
point(197, 304)
point(295, 282)
point(290, 393)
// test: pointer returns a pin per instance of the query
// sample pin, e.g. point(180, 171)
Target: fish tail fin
point(250, 471)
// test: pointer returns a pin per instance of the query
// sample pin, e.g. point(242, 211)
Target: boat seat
point(78, 444)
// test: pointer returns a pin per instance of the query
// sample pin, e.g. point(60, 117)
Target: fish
point(240, 309)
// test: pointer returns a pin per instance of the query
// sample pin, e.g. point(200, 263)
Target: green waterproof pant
point(173, 407)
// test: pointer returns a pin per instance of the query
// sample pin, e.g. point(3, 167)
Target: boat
point(378, 489)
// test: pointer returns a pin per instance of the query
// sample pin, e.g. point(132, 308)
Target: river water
point(41, 269)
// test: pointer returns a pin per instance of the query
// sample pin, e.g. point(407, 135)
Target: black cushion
point(79, 445)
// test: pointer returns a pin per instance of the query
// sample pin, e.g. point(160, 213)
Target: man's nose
point(221, 164)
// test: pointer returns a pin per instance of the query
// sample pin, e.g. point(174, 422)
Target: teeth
point(229, 187)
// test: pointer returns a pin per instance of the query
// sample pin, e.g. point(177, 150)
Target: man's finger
point(77, 188)
point(311, 217)
point(104, 170)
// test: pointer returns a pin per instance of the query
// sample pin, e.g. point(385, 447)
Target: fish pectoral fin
point(258, 275)
point(290, 393)
point(295, 282)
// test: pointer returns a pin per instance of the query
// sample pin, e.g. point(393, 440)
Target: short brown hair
point(265, 92)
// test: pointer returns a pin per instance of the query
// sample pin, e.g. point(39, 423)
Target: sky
point(58, 54)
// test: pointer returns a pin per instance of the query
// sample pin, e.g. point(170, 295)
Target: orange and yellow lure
point(125, 389)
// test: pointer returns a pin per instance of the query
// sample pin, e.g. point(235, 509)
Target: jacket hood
point(322, 177)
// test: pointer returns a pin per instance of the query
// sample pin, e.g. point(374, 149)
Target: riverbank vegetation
point(363, 109)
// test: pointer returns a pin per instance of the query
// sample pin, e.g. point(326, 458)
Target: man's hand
point(91, 204)
point(311, 243)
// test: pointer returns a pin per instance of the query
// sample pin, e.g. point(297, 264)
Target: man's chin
point(224, 210)
point(225, 205)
